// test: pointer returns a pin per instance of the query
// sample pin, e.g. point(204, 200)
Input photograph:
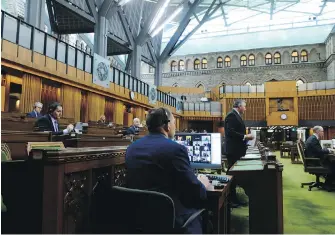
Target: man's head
point(221, 128)
point(318, 130)
point(38, 107)
point(161, 120)
point(136, 122)
point(239, 105)
point(55, 110)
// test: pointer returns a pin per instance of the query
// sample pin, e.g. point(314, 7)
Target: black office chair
point(313, 166)
point(135, 211)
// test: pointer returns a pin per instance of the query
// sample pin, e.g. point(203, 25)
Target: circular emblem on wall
point(152, 93)
point(132, 95)
point(283, 116)
point(102, 71)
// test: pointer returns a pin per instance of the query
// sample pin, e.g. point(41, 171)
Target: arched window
point(201, 86)
point(204, 63)
point(181, 65)
point(251, 60)
point(196, 64)
point(243, 60)
point(173, 66)
point(304, 56)
point(248, 84)
point(295, 57)
point(277, 58)
point(219, 62)
point(227, 62)
point(268, 59)
point(299, 82)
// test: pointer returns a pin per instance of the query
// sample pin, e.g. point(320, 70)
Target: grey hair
point(137, 119)
point(238, 103)
point(317, 128)
point(38, 104)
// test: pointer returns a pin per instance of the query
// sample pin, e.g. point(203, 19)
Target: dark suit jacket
point(132, 130)
point(313, 148)
point(32, 114)
point(160, 164)
point(44, 123)
point(234, 134)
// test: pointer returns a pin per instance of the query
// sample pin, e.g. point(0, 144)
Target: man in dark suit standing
point(49, 122)
point(313, 149)
point(236, 139)
point(36, 113)
point(156, 162)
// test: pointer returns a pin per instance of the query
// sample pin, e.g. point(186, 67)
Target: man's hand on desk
point(204, 180)
point(249, 137)
point(69, 128)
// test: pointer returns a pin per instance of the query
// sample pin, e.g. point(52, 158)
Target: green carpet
point(305, 212)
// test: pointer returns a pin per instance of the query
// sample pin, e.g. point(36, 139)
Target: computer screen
point(204, 150)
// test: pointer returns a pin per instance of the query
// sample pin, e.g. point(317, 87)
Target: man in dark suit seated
point(313, 149)
point(236, 140)
point(134, 129)
point(49, 122)
point(156, 162)
point(36, 113)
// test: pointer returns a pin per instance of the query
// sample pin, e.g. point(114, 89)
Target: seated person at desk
point(36, 113)
point(102, 119)
point(134, 129)
point(313, 149)
point(156, 162)
point(49, 121)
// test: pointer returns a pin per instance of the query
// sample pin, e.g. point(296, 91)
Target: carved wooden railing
point(54, 194)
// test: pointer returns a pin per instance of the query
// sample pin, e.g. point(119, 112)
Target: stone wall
point(320, 67)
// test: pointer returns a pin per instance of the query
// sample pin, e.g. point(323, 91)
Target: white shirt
point(55, 124)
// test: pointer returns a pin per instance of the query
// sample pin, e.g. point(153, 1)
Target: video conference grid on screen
point(202, 148)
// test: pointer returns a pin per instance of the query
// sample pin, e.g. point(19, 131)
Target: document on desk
point(250, 162)
point(252, 157)
point(247, 168)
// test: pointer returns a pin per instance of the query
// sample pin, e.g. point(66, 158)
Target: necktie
point(56, 126)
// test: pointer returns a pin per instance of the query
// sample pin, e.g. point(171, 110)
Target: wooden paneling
point(281, 89)
point(24, 56)
point(84, 107)
point(317, 107)
point(255, 109)
point(119, 110)
point(71, 102)
point(38, 61)
point(274, 119)
point(31, 92)
point(109, 110)
point(96, 106)
point(9, 50)
point(51, 92)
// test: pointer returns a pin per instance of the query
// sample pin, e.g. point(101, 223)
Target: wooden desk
point(263, 185)
point(54, 194)
point(17, 141)
point(218, 204)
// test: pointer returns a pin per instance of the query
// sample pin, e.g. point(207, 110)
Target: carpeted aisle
point(305, 212)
